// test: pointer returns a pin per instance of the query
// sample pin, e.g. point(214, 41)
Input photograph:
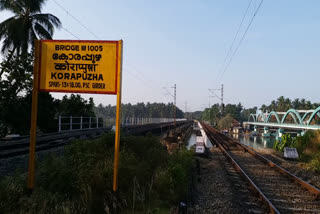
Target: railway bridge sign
point(79, 66)
point(76, 66)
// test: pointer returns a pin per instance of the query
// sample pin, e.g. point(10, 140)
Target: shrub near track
point(80, 181)
point(308, 147)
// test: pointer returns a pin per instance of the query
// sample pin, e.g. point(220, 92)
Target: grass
point(80, 181)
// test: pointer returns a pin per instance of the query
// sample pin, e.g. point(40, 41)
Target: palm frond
point(46, 18)
point(5, 25)
point(35, 5)
point(12, 33)
point(41, 32)
point(7, 45)
point(27, 24)
point(14, 6)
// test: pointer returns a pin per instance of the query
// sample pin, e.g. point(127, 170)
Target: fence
point(146, 120)
point(73, 123)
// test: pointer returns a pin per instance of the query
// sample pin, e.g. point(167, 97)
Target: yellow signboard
point(76, 67)
point(79, 66)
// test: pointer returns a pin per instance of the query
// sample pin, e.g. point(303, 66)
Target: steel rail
point(49, 141)
point(314, 190)
point(272, 208)
point(46, 142)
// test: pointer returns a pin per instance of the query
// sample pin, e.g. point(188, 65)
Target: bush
point(286, 141)
point(315, 163)
point(80, 181)
point(172, 182)
point(308, 147)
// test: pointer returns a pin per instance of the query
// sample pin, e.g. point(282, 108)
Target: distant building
point(235, 123)
point(236, 127)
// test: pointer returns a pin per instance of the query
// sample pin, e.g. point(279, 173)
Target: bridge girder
point(253, 117)
point(293, 113)
point(262, 115)
point(270, 115)
point(316, 111)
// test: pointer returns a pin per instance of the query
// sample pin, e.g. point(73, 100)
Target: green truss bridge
point(292, 119)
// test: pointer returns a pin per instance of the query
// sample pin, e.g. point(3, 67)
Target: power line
point(142, 75)
point(235, 37)
point(142, 79)
point(243, 36)
point(70, 32)
point(146, 83)
point(85, 27)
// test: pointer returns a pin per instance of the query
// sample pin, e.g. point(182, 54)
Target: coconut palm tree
point(27, 24)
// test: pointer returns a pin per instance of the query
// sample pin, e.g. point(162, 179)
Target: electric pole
point(174, 101)
point(221, 97)
point(222, 107)
point(175, 104)
point(209, 112)
point(185, 109)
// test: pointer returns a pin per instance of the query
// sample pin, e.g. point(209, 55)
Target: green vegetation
point(152, 110)
point(308, 147)
point(16, 95)
point(239, 113)
point(225, 122)
point(283, 104)
point(286, 141)
point(80, 181)
point(27, 24)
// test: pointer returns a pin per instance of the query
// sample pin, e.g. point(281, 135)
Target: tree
point(16, 96)
point(234, 110)
point(295, 103)
point(27, 24)
point(15, 82)
point(246, 113)
point(225, 122)
point(76, 106)
point(149, 110)
point(264, 108)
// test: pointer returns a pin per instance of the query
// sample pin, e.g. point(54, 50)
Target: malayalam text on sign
point(79, 66)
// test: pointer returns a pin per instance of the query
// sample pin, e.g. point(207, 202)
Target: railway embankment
point(220, 189)
point(80, 180)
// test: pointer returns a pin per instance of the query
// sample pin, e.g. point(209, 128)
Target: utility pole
point(222, 107)
point(209, 112)
point(175, 103)
point(185, 108)
point(221, 97)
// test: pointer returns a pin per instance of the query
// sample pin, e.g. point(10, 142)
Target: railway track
point(279, 189)
point(220, 188)
point(14, 148)
point(45, 142)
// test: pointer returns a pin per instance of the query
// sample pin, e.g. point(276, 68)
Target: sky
point(186, 42)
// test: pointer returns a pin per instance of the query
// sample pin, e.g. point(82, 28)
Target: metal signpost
point(76, 67)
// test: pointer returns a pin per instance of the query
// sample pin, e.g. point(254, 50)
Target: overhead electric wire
point(70, 32)
point(141, 79)
point(85, 27)
point(243, 36)
point(144, 80)
point(236, 35)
